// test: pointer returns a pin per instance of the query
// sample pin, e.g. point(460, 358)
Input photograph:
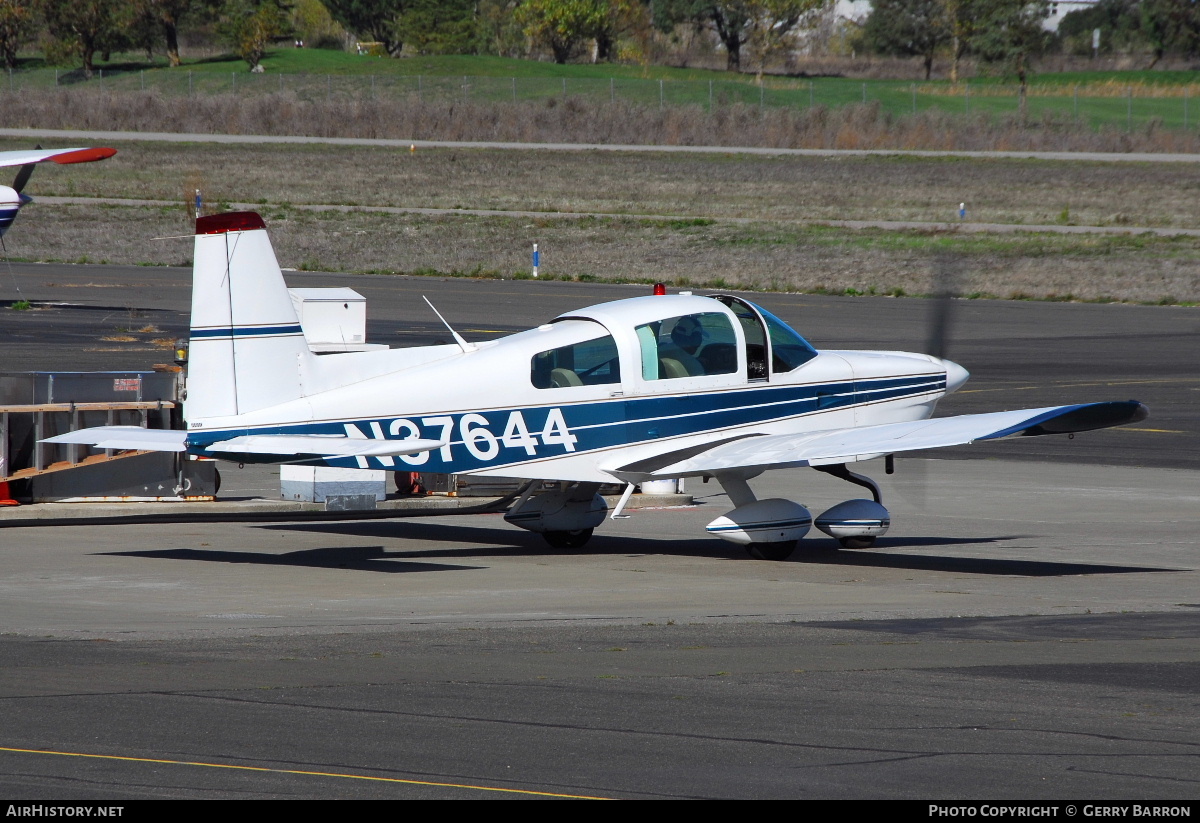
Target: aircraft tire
point(856, 542)
point(568, 540)
point(771, 551)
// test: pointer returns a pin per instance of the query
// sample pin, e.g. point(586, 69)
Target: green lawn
point(1121, 100)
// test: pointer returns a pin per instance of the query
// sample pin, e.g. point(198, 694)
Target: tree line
point(1007, 34)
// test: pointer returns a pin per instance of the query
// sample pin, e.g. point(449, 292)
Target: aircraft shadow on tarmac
point(484, 543)
point(355, 558)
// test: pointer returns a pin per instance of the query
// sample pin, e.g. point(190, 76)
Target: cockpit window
point(589, 363)
point(692, 345)
point(788, 349)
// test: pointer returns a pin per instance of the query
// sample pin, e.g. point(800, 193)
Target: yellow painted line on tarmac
point(1156, 431)
point(305, 773)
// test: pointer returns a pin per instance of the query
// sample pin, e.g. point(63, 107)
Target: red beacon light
point(660, 288)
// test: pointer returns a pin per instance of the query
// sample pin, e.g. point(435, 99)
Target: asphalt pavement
point(1027, 630)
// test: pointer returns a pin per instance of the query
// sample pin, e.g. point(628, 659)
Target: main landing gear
point(564, 516)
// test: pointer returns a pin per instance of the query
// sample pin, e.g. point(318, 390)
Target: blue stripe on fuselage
point(591, 426)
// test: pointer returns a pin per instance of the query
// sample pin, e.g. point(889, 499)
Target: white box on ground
point(671, 486)
point(313, 484)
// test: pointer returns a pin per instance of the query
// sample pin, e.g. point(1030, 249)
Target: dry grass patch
point(1027, 192)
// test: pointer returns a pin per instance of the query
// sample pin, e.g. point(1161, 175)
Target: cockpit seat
point(670, 368)
point(564, 378)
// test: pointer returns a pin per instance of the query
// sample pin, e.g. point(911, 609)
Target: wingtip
point(83, 155)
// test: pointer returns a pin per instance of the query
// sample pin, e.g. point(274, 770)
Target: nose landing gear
point(855, 523)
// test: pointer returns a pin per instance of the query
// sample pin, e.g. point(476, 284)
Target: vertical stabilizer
point(247, 348)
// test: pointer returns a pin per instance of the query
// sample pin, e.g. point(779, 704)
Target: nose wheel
point(856, 542)
point(855, 523)
point(568, 540)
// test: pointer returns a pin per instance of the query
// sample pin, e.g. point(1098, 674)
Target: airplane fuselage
point(583, 420)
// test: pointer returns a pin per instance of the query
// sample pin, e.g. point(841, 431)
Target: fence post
point(661, 103)
point(189, 82)
point(56, 77)
point(864, 94)
point(233, 80)
point(760, 98)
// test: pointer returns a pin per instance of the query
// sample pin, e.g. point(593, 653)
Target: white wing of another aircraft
point(61, 156)
point(11, 197)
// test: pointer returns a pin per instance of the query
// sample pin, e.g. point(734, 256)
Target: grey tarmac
point(1028, 630)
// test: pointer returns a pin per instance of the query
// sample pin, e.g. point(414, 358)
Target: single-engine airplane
point(12, 198)
point(640, 389)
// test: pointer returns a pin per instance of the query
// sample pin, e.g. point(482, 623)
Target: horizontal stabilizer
point(125, 437)
point(323, 446)
point(773, 451)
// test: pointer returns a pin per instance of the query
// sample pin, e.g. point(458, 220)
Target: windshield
point(789, 349)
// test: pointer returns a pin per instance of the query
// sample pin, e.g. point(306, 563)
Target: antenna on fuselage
point(462, 344)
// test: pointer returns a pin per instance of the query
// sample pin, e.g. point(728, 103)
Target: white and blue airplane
point(634, 390)
point(12, 198)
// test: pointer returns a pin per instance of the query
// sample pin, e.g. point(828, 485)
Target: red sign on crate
point(127, 383)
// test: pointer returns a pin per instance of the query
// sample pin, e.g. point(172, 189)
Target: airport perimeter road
point(245, 139)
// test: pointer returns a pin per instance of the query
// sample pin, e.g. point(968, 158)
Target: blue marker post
point(962, 211)
point(535, 260)
point(199, 203)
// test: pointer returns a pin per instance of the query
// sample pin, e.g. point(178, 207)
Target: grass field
point(1127, 101)
point(707, 220)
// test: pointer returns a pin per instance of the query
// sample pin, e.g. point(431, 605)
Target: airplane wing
point(847, 445)
point(283, 445)
point(62, 156)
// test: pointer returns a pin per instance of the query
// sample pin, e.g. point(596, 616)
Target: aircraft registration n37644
point(634, 390)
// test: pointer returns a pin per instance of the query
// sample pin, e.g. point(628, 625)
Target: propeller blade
point(23, 177)
point(947, 276)
point(24, 174)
